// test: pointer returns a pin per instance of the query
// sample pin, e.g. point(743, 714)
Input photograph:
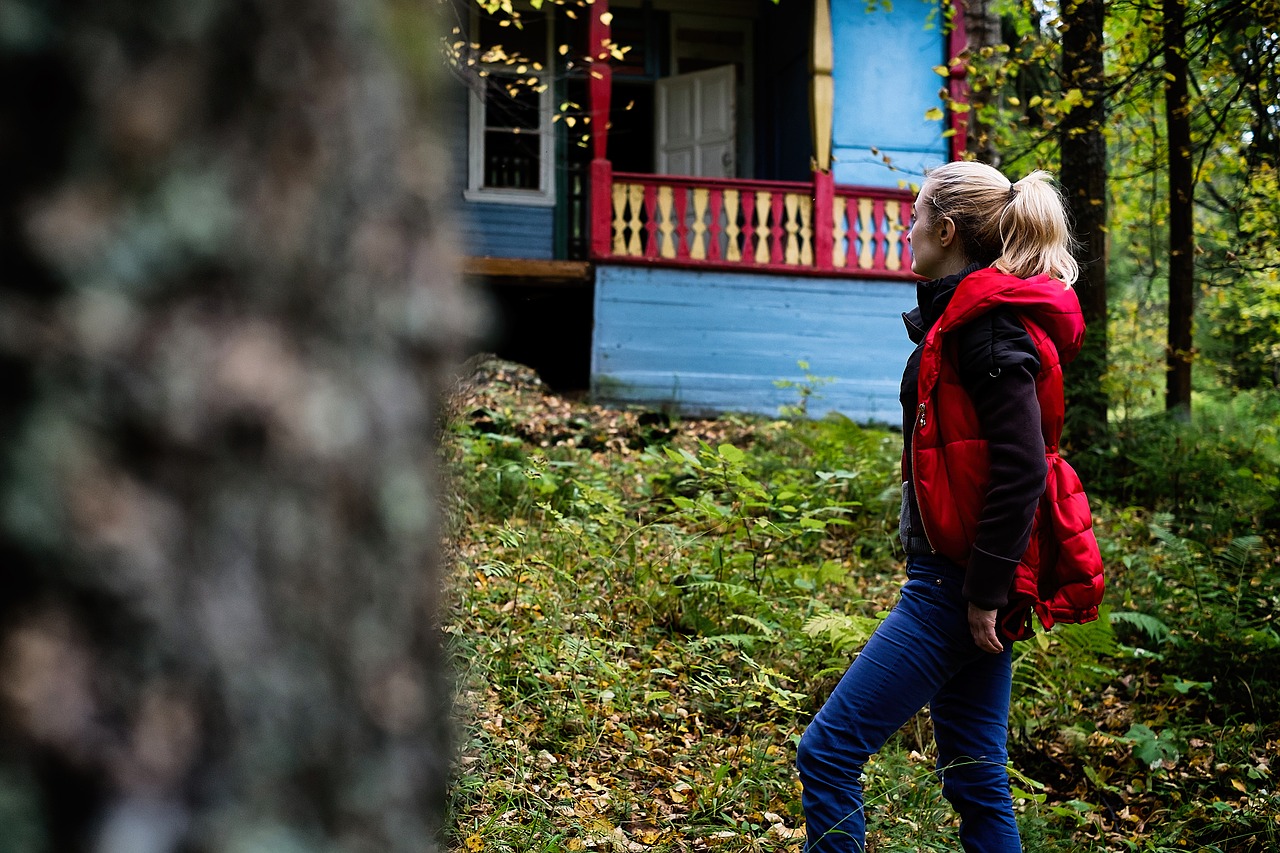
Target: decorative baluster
point(880, 226)
point(775, 248)
point(733, 252)
point(839, 230)
point(717, 228)
point(651, 221)
point(893, 236)
point(668, 225)
point(635, 197)
point(681, 196)
point(806, 230)
point(763, 204)
point(748, 226)
point(866, 234)
point(698, 235)
point(619, 219)
point(791, 227)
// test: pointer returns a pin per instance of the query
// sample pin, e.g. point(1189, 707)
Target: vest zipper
point(920, 421)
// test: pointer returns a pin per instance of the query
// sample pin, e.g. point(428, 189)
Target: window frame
point(545, 195)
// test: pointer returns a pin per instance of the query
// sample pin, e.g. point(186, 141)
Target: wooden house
point(719, 193)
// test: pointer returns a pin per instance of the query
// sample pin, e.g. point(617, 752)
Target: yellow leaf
point(474, 843)
point(1239, 786)
point(677, 796)
point(941, 70)
point(933, 114)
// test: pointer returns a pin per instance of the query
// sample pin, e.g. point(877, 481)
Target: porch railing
point(807, 228)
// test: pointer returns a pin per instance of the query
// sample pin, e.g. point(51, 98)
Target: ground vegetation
point(645, 612)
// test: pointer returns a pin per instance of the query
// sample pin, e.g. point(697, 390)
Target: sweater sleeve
point(998, 366)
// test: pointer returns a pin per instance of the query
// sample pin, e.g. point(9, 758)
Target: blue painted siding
point(716, 341)
point(884, 82)
point(507, 230)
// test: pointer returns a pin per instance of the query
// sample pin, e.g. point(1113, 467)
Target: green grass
point(644, 614)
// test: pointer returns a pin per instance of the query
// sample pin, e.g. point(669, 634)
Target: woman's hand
point(982, 624)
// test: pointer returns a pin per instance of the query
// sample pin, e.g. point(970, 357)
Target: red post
point(824, 196)
point(957, 81)
point(600, 90)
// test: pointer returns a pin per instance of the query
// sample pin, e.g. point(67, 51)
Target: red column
point(824, 196)
point(957, 82)
point(600, 89)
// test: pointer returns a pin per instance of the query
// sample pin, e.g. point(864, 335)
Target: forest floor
point(645, 612)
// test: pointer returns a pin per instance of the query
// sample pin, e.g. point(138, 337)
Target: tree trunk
point(227, 316)
point(1181, 218)
point(1084, 182)
point(982, 27)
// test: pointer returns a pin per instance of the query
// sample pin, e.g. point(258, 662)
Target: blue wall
point(716, 341)
point(507, 230)
point(885, 83)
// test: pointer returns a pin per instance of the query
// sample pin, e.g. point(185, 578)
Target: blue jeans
point(921, 654)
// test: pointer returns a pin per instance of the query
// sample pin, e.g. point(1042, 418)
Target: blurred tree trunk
point(1084, 183)
point(226, 318)
point(982, 27)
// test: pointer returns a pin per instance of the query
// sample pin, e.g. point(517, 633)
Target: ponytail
point(1020, 228)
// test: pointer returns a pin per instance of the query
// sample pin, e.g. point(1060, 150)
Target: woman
point(994, 523)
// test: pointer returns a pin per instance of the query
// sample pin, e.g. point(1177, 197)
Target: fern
point(1241, 550)
point(764, 628)
point(841, 632)
point(1144, 622)
point(741, 642)
point(1092, 639)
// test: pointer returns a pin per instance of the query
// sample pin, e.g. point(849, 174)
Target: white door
point(695, 129)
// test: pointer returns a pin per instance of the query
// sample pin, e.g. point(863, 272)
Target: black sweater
point(998, 363)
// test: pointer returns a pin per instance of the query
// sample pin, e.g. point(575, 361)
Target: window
point(511, 141)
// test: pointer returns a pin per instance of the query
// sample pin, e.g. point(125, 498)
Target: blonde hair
point(1018, 228)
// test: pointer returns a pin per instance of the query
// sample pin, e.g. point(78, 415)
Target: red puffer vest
point(1060, 576)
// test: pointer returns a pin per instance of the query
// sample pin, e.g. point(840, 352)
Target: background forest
point(647, 611)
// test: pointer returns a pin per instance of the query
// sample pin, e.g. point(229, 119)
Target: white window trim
point(476, 191)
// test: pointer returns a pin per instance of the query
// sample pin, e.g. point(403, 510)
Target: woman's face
point(927, 251)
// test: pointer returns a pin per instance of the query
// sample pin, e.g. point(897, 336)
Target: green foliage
point(643, 633)
point(806, 391)
point(1222, 470)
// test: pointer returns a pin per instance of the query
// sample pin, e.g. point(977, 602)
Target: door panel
point(695, 123)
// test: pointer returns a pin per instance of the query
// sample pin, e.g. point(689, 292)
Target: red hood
point(1050, 304)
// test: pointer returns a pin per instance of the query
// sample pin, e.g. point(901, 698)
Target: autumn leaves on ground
point(645, 612)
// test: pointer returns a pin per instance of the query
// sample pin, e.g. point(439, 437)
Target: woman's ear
point(947, 232)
